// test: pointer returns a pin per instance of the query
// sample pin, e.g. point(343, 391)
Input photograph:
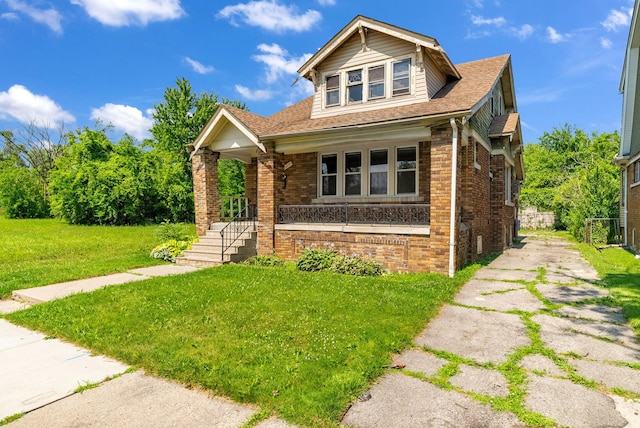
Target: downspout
point(454, 187)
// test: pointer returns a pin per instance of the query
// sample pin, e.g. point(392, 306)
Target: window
point(378, 171)
point(333, 90)
point(354, 86)
point(352, 174)
point(401, 81)
point(376, 82)
point(507, 184)
point(329, 174)
point(406, 167)
point(636, 172)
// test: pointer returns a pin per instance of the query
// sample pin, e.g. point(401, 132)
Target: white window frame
point(508, 185)
point(409, 76)
point(326, 89)
point(377, 82)
point(415, 185)
point(365, 171)
point(636, 172)
point(346, 173)
point(321, 174)
point(350, 85)
point(388, 171)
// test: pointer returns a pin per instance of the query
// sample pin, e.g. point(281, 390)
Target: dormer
point(372, 65)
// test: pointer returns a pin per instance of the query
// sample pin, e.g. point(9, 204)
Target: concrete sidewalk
point(39, 376)
point(553, 328)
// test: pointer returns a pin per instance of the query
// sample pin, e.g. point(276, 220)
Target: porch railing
point(244, 220)
point(391, 214)
point(231, 206)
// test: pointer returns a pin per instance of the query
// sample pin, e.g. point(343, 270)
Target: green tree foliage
point(21, 191)
point(177, 122)
point(572, 174)
point(99, 182)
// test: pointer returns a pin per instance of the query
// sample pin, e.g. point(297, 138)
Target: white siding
point(381, 49)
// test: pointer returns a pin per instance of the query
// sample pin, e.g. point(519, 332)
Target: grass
point(42, 252)
point(301, 345)
point(620, 273)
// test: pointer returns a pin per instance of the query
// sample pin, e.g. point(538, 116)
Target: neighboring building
point(400, 156)
point(629, 156)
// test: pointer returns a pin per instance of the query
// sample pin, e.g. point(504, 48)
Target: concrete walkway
point(533, 312)
point(40, 376)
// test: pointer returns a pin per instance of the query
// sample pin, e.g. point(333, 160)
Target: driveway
point(529, 334)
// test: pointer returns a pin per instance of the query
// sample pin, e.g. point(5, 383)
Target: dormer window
point(354, 86)
point(376, 82)
point(333, 90)
point(401, 81)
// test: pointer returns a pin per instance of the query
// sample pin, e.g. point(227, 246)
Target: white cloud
point(271, 15)
point(326, 2)
point(554, 37)
point(479, 20)
point(278, 61)
point(23, 105)
point(49, 17)
point(544, 95)
point(523, 32)
point(119, 13)
point(9, 15)
point(617, 19)
point(606, 43)
point(254, 94)
point(126, 118)
point(198, 67)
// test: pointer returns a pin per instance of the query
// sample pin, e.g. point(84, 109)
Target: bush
point(313, 260)
point(169, 250)
point(168, 231)
point(266, 261)
point(357, 266)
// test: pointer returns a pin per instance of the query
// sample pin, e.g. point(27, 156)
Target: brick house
point(400, 155)
point(629, 156)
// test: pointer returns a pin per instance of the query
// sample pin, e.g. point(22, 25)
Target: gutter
point(454, 179)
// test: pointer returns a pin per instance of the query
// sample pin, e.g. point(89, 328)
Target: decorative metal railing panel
point(398, 214)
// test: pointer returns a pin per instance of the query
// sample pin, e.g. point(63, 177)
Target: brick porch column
point(267, 174)
point(204, 166)
point(440, 197)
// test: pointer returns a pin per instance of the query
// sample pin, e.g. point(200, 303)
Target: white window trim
point(388, 82)
point(366, 156)
point(395, 165)
point(349, 85)
point(344, 171)
point(508, 200)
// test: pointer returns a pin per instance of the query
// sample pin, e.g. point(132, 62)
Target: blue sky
point(78, 61)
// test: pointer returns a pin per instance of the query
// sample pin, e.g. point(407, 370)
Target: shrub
point(356, 266)
point(169, 250)
point(266, 261)
point(315, 259)
point(168, 231)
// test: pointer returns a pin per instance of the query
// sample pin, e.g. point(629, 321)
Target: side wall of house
point(633, 210)
point(503, 216)
point(476, 200)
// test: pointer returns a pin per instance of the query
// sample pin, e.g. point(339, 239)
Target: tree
point(37, 146)
point(20, 193)
point(177, 122)
point(99, 182)
point(572, 174)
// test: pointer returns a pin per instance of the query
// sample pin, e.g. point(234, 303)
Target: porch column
point(204, 166)
point(267, 171)
point(440, 197)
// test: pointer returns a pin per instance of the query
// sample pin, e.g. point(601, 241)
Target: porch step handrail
point(244, 220)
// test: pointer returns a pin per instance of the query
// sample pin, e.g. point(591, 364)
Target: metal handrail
point(244, 220)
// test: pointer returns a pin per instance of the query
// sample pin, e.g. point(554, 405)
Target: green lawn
point(620, 272)
point(301, 345)
point(42, 252)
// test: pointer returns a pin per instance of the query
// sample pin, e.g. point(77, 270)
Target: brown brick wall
point(424, 171)
point(204, 168)
point(302, 179)
point(633, 209)
point(267, 192)
point(398, 253)
point(251, 181)
point(502, 215)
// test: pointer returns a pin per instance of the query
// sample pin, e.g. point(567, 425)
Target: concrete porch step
point(208, 251)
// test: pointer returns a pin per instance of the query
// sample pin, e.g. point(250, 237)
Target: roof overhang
point(361, 23)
